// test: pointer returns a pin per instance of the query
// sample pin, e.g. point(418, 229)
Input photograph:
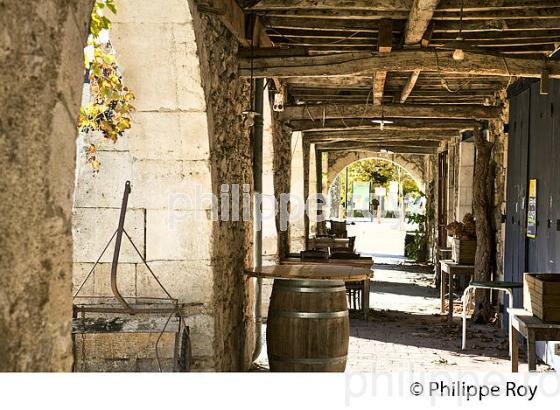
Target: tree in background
point(380, 173)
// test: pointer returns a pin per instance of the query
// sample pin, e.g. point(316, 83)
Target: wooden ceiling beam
point(409, 86)
point(380, 148)
point(398, 124)
point(331, 111)
point(399, 5)
point(409, 134)
point(497, 25)
point(384, 46)
point(367, 5)
point(419, 18)
point(362, 26)
point(550, 12)
point(441, 61)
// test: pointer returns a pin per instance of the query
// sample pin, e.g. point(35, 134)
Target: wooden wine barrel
point(308, 326)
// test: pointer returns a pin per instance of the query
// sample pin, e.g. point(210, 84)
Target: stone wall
point(187, 140)
point(41, 55)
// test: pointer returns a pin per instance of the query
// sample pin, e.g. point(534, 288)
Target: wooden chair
point(354, 293)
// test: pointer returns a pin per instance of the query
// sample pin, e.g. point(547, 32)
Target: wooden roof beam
point(409, 86)
point(384, 46)
point(418, 20)
point(410, 135)
point(398, 5)
point(398, 124)
point(338, 111)
point(364, 63)
point(447, 26)
point(381, 148)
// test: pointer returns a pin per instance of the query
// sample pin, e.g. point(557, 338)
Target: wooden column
point(483, 207)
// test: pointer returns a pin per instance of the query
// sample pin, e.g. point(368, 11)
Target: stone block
point(161, 184)
point(93, 227)
point(156, 88)
point(126, 279)
point(466, 154)
point(121, 352)
point(466, 176)
point(190, 94)
point(149, 11)
point(99, 282)
point(169, 136)
point(79, 274)
point(178, 235)
point(466, 197)
point(202, 334)
point(105, 189)
point(190, 282)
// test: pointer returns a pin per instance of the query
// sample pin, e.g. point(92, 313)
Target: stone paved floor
point(406, 333)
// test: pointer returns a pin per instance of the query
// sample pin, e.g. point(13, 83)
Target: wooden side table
point(450, 268)
point(523, 323)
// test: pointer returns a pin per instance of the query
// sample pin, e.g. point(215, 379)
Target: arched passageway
point(376, 194)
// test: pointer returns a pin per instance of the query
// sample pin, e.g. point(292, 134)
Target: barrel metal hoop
point(311, 289)
point(309, 315)
point(316, 283)
point(310, 361)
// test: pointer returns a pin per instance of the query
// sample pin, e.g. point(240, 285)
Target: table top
point(495, 285)
point(531, 321)
point(449, 264)
point(313, 272)
point(358, 263)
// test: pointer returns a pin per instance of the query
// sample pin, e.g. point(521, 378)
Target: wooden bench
point(523, 323)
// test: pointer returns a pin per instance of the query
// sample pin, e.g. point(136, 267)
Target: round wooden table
point(308, 323)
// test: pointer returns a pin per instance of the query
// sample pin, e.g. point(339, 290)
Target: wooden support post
point(483, 205)
point(514, 348)
point(384, 46)
point(379, 86)
point(385, 39)
point(409, 86)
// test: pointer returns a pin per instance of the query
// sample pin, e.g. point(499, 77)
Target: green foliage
point(417, 249)
point(381, 173)
point(110, 108)
point(98, 21)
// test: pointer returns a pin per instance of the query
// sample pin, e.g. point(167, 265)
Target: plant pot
point(463, 251)
point(541, 295)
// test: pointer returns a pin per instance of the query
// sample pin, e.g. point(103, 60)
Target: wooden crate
point(541, 295)
point(463, 251)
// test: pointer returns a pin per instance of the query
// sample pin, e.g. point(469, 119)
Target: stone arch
point(414, 165)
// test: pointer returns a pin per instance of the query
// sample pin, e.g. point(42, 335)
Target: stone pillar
point(297, 213)
point(465, 179)
point(282, 144)
point(270, 233)
point(312, 191)
point(39, 106)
